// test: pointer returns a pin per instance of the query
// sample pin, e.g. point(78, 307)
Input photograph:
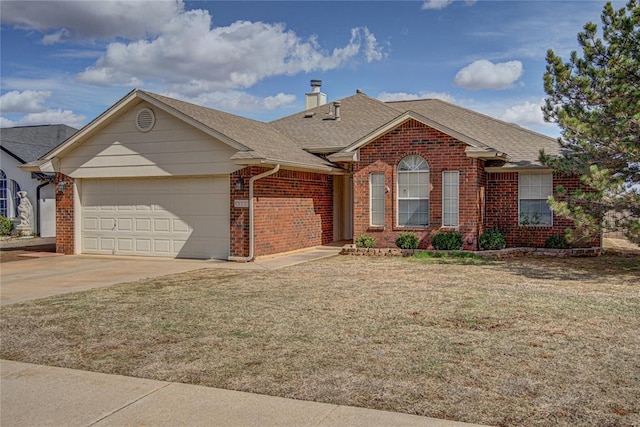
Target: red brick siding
point(502, 211)
point(64, 216)
point(293, 210)
point(442, 153)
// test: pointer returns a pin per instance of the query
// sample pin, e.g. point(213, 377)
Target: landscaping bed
point(498, 254)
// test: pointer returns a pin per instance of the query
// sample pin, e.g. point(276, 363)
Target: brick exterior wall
point(485, 199)
point(502, 211)
point(442, 153)
point(64, 216)
point(293, 210)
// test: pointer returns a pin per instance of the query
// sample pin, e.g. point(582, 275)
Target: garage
point(161, 217)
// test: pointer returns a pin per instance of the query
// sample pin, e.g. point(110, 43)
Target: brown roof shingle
point(262, 140)
point(360, 115)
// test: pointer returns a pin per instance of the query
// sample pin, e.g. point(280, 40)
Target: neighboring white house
point(20, 145)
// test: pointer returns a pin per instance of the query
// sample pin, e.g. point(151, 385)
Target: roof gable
point(363, 119)
point(255, 141)
point(521, 145)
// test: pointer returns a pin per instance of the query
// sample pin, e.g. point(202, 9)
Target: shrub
point(5, 226)
point(556, 241)
point(407, 241)
point(492, 239)
point(447, 241)
point(365, 241)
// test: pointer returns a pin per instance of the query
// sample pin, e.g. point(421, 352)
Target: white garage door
point(165, 217)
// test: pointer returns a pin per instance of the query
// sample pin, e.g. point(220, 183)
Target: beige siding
point(171, 148)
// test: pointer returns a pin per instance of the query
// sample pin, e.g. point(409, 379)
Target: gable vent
point(145, 119)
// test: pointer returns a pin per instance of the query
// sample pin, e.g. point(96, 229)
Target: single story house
point(157, 176)
point(21, 145)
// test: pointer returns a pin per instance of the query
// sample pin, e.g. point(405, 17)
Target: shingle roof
point(316, 130)
point(362, 115)
point(262, 140)
point(29, 143)
point(522, 145)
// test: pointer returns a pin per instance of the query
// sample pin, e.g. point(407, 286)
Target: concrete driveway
point(42, 277)
point(54, 275)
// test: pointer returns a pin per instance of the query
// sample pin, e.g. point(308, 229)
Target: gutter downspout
point(251, 238)
point(44, 184)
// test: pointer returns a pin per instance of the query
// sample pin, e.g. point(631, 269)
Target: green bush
point(407, 241)
point(5, 226)
point(492, 240)
point(556, 241)
point(365, 241)
point(451, 241)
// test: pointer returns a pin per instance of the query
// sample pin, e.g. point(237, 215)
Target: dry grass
point(523, 342)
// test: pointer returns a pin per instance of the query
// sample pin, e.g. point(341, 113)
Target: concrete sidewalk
point(33, 395)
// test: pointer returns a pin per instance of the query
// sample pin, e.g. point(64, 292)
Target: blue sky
point(68, 61)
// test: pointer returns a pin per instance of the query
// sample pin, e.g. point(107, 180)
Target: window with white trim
point(376, 196)
point(450, 198)
point(533, 191)
point(413, 192)
point(4, 194)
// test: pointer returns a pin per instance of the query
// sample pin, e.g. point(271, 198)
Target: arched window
point(413, 192)
point(4, 193)
point(14, 187)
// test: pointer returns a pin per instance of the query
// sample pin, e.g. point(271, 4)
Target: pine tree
point(595, 99)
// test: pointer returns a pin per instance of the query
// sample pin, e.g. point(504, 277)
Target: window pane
point(377, 192)
point(3, 194)
point(534, 189)
point(535, 212)
point(413, 191)
point(413, 212)
point(450, 198)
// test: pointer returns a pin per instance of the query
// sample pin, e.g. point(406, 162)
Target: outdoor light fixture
point(239, 184)
point(61, 186)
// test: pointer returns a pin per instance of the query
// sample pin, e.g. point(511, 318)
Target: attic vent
point(145, 119)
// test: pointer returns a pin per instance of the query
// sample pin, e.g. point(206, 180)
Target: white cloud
point(526, 114)
point(403, 96)
point(483, 74)
point(436, 4)
point(441, 4)
point(233, 100)
point(6, 123)
point(24, 102)
point(192, 57)
point(50, 117)
point(91, 19)
point(31, 104)
point(372, 50)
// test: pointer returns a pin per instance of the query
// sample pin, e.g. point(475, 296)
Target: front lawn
point(534, 341)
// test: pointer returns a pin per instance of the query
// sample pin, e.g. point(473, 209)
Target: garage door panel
point(125, 244)
point(107, 244)
point(90, 243)
point(107, 224)
point(90, 224)
point(168, 217)
point(125, 224)
point(143, 245)
point(143, 225)
point(162, 246)
point(162, 225)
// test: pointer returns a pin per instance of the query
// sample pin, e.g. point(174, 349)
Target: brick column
point(64, 214)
